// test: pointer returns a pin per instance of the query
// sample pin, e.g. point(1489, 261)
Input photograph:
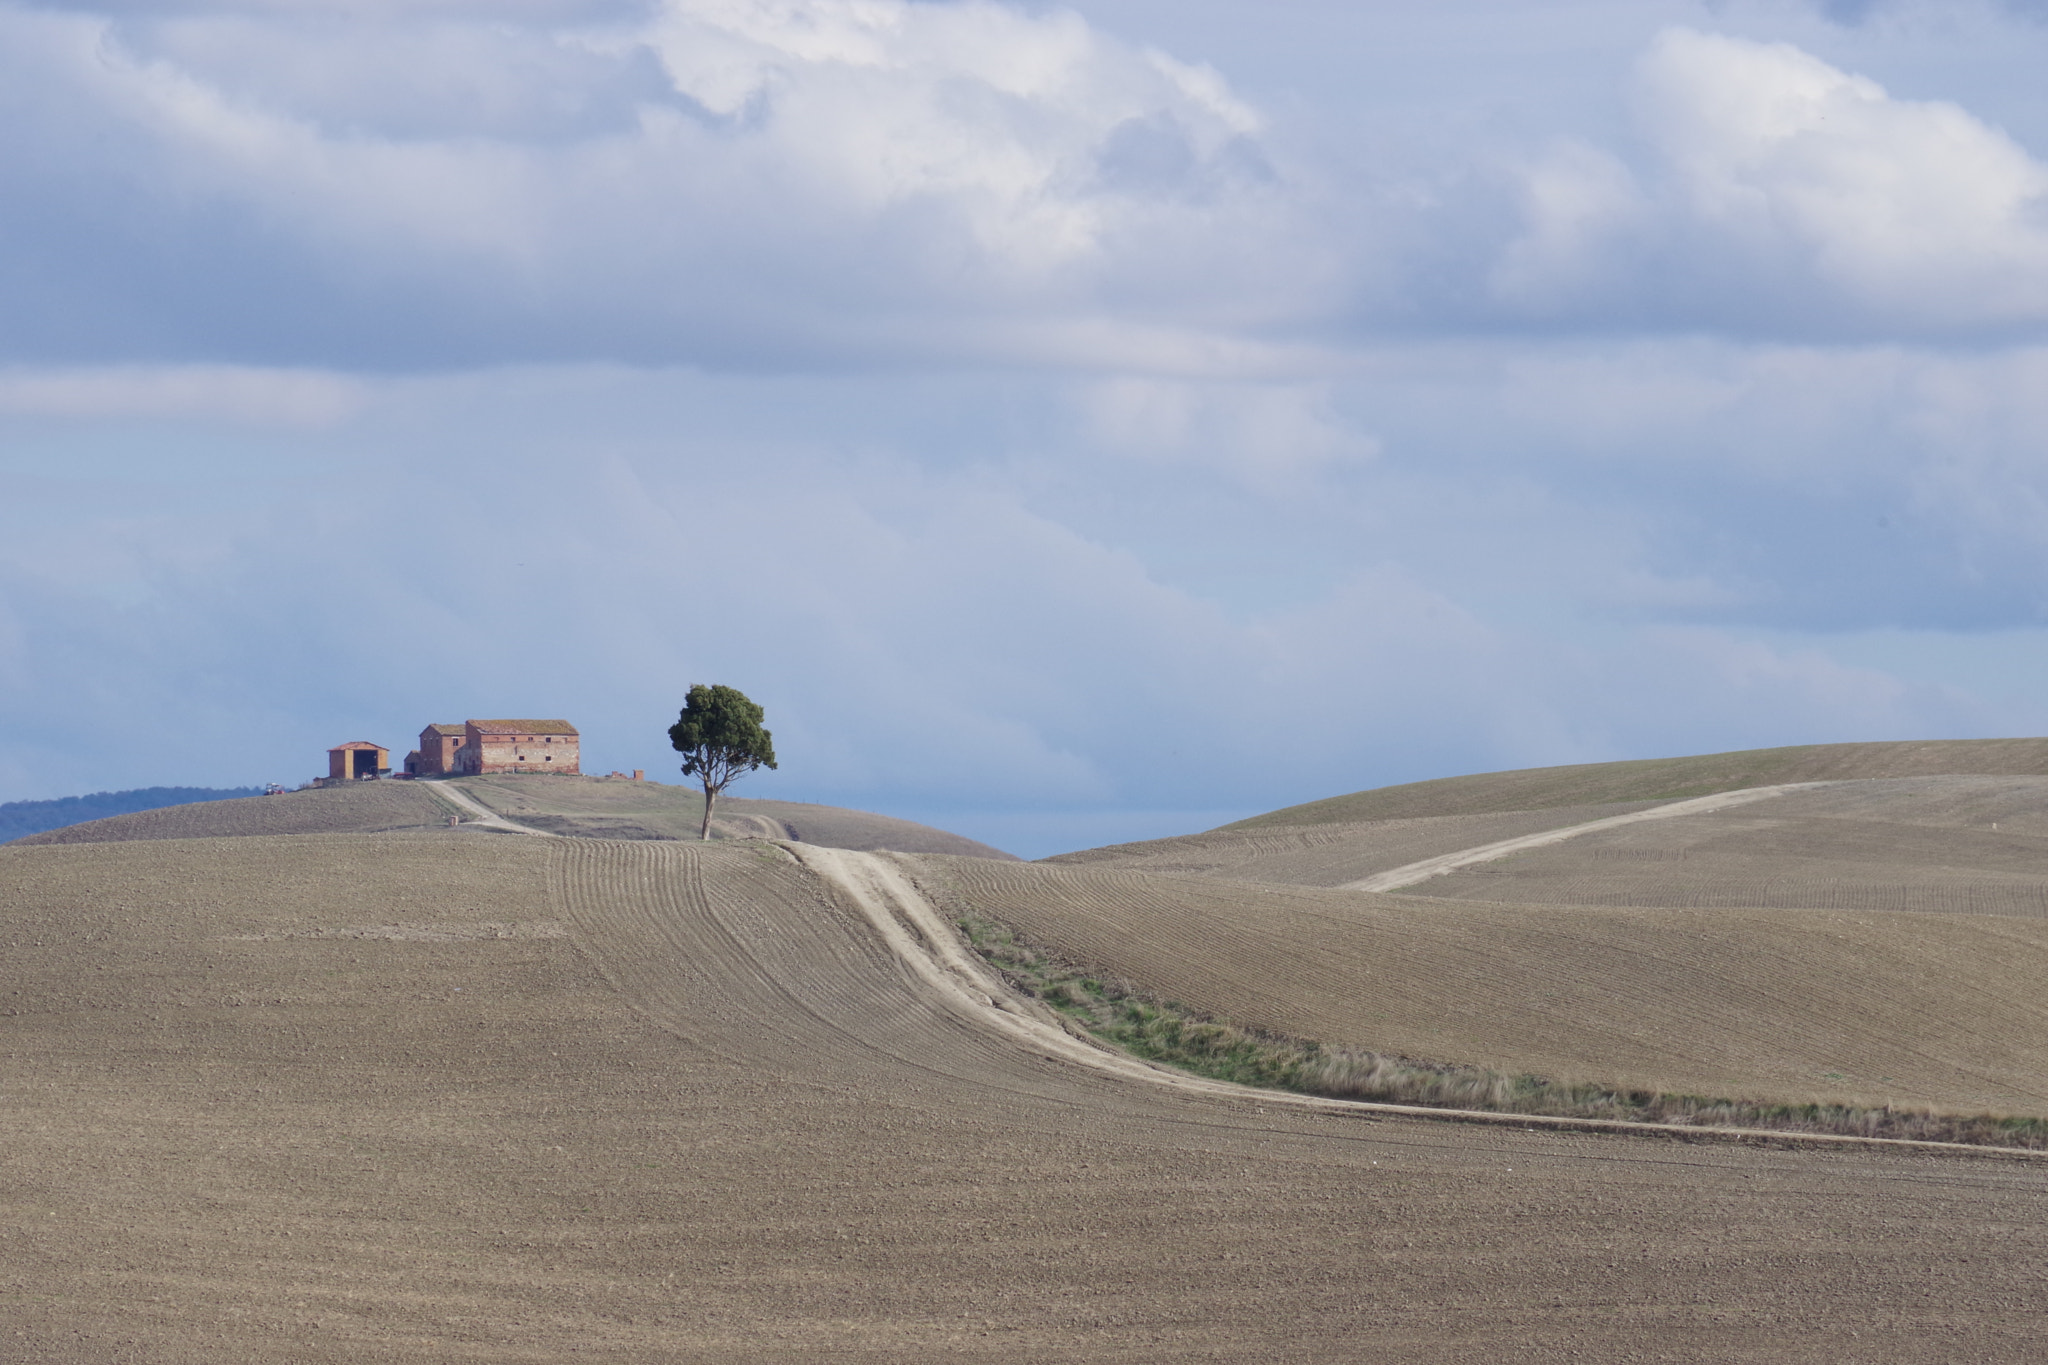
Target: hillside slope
point(18, 819)
point(581, 807)
point(1927, 844)
point(360, 807)
point(601, 808)
point(1666, 779)
point(1804, 1006)
point(438, 1096)
point(1330, 853)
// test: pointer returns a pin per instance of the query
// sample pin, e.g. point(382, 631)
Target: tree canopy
point(721, 740)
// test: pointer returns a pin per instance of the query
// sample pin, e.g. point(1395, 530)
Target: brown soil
point(598, 808)
point(1667, 779)
point(438, 1097)
point(1926, 845)
point(1793, 1007)
point(609, 809)
point(1334, 853)
point(360, 807)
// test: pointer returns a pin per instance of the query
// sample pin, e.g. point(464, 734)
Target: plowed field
point(611, 809)
point(358, 808)
point(436, 1097)
point(1796, 1007)
point(1938, 845)
point(1668, 779)
point(1330, 854)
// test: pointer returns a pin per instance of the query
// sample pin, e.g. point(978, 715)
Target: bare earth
point(589, 807)
point(362, 807)
point(447, 1097)
point(1942, 1011)
point(1670, 779)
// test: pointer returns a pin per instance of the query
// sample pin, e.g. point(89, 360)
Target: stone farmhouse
point(478, 747)
point(439, 744)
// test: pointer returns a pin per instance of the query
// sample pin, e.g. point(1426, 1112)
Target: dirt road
point(1443, 864)
point(431, 1098)
point(483, 815)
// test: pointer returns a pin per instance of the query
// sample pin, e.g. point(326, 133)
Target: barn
point(357, 758)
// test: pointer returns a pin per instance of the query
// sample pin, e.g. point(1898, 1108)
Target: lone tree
point(721, 740)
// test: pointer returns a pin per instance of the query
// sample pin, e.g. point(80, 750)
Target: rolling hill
point(437, 1096)
point(1668, 779)
point(584, 807)
point(21, 818)
point(385, 1090)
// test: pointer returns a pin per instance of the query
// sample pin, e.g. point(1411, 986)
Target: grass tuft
point(1171, 1034)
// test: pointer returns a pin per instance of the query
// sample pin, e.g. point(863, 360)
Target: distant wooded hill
point(21, 818)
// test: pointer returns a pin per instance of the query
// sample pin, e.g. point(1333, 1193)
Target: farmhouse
point(439, 745)
point(518, 746)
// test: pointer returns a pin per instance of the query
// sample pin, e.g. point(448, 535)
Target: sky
point(1072, 423)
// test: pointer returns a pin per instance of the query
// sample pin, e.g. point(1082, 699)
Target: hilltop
point(1666, 779)
point(586, 807)
point(19, 819)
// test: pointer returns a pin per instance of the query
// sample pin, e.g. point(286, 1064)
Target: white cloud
point(1269, 435)
point(1912, 208)
point(1783, 194)
point(727, 179)
point(231, 392)
point(932, 622)
point(984, 403)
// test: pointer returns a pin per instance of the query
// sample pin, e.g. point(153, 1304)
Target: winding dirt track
point(434, 1097)
point(1444, 864)
point(479, 814)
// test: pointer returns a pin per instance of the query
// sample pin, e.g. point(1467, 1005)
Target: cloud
point(238, 393)
point(1037, 423)
point(937, 619)
point(1780, 195)
point(724, 180)
point(1269, 435)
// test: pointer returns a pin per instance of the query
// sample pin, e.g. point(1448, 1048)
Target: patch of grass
point(1163, 1031)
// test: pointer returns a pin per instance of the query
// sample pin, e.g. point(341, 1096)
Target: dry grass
point(1666, 779)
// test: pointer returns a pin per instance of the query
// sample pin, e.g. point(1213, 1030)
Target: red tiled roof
point(440, 729)
point(359, 744)
point(523, 727)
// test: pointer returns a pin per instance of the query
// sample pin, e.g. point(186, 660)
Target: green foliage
point(720, 737)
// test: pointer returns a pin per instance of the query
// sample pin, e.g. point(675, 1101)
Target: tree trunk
point(709, 797)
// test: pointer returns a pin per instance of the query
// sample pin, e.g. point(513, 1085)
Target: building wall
point(438, 751)
point(519, 754)
point(341, 762)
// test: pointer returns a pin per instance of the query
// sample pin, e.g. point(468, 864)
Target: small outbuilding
point(357, 758)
